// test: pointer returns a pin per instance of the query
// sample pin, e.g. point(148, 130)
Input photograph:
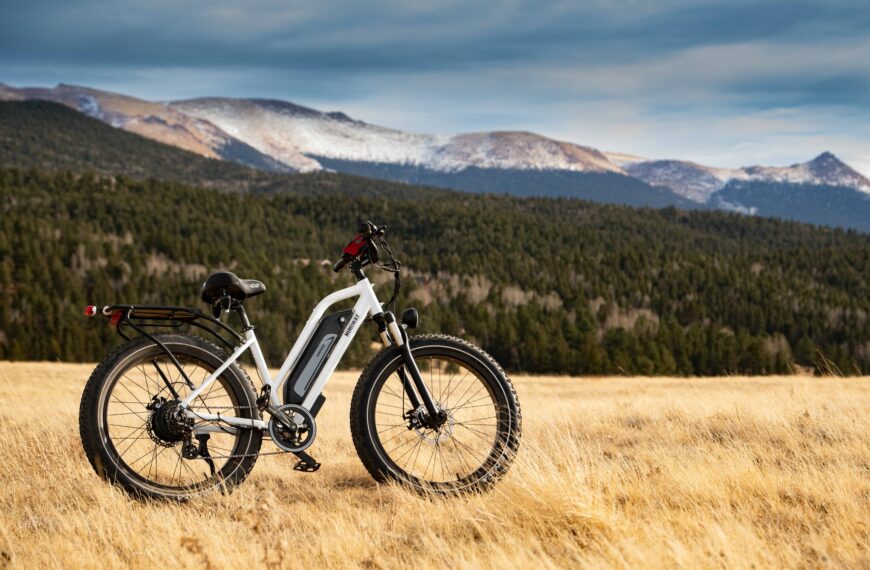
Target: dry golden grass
point(628, 472)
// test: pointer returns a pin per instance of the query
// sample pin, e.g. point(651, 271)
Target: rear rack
point(141, 317)
point(138, 317)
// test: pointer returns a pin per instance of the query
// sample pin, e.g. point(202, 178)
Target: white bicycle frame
point(367, 305)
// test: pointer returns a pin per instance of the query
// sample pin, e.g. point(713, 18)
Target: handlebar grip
point(344, 260)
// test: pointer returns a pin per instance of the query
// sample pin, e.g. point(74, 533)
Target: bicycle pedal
point(306, 467)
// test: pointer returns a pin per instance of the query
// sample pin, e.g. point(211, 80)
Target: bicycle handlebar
point(361, 245)
point(343, 260)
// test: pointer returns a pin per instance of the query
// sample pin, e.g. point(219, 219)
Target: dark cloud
point(468, 60)
point(373, 36)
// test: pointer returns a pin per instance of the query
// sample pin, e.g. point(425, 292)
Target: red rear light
point(90, 310)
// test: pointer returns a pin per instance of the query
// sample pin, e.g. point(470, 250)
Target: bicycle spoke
point(454, 450)
point(139, 446)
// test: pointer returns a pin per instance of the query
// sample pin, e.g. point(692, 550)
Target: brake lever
point(373, 253)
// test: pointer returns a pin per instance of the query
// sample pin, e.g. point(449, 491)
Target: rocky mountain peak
point(829, 169)
point(826, 161)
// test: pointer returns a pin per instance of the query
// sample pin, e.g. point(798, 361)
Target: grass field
point(627, 472)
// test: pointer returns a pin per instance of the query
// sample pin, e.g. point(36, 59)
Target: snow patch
point(89, 105)
point(735, 207)
point(292, 135)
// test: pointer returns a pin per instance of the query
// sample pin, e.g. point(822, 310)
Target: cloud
point(668, 77)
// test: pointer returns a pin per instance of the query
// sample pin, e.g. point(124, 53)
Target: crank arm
point(306, 463)
point(279, 416)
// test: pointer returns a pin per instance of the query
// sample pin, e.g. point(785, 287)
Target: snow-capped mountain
point(292, 133)
point(285, 137)
point(824, 169)
point(693, 181)
point(698, 182)
point(296, 135)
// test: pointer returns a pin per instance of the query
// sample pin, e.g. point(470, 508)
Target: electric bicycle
point(172, 415)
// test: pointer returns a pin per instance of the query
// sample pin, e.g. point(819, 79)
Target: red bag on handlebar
point(356, 244)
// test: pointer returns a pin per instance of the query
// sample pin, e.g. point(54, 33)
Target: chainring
point(296, 438)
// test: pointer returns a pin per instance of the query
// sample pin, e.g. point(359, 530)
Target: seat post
point(243, 315)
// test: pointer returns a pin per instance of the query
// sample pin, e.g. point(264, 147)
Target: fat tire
point(105, 461)
point(368, 449)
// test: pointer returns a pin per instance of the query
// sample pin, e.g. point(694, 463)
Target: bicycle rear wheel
point(134, 436)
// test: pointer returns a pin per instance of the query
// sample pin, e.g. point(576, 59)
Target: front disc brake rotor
point(434, 436)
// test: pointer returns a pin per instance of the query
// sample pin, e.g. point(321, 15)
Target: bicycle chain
point(238, 455)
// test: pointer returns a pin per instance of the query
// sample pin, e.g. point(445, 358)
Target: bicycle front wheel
point(471, 450)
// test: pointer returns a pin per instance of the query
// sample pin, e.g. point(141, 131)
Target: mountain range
point(280, 136)
point(96, 213)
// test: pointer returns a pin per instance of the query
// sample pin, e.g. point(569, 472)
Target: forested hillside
point(551, 285)
point(828, 205)
point(54, 137)
point(607, 188)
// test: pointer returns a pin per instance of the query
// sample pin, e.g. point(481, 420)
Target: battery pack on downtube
point(314, 357)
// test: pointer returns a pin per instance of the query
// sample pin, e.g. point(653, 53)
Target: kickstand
point(203, 450)
point(306, 463)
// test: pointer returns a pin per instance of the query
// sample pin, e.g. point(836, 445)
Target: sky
point(726, 83)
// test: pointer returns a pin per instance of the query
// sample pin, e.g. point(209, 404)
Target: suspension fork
point(394, 332)
point(387, 339)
